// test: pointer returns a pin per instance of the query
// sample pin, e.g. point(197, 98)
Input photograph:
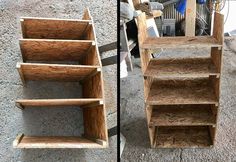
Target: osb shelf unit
point(47, 47)
point(182, 94)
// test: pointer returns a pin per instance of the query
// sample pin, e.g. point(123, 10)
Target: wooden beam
point(190, 18)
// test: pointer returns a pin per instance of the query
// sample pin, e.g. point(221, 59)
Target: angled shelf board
point(181, 91)
point(184, 67)
point(181, 94)
point(183, 137)
point(56, 142)
point(182, 115)
point(55, 72)
point(82, 102)
point(46, 42)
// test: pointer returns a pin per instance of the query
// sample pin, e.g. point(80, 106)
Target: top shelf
point(180, 42)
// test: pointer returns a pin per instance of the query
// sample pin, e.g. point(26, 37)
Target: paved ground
point(134, 127)
point(47, 121)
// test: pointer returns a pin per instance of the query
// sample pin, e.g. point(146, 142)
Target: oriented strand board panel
point(58, 102)
point(180, 42)
point(54, 50)
point(182, 115)
point(181, 91)
point(183, 137)
point(185, 67)
point(54, 72)
point(47, 28)
point(54, 142)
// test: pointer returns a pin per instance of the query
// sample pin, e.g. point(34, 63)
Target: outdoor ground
point(45, 121)
point(133, 117)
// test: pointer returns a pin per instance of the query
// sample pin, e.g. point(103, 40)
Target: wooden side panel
point(147, 86)
point(142, 28)
point(91, 58)
point(190, 16)
point(42, 28)
point(216, 56)
point(145, 56)
point(95, 123)
point(218, 29)
point(87, 15)
point(54, 72)
point(151, 130)
point(54, 50)
point(215, 84)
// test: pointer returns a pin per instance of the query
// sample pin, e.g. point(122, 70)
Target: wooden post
point(190, 16)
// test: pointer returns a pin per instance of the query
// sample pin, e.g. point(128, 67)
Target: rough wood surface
point(186, 67)
point(181, 91)
point(56, 142)
point(218, 28)
point(24, 103)
point(182, 115)
point(54, 50)
point(190, 18)
point(151, 130)
point(54, 72)
point(183, 137)
point(180, 42)
point(46, 28)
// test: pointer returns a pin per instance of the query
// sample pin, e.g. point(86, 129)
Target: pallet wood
point(48, 28)
point(182, 91)
point(55, 72)
point(186, 67)
point(54, 142)
point(183, 137)
point(55, 50)
point(26, 103)
point(182, 115)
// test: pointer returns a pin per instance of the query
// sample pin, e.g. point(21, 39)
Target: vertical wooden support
point(190, 16)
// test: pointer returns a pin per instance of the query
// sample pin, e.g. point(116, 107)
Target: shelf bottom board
point(183, 137)
point(55, 142)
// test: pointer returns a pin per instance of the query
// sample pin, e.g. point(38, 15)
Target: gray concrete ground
point(61, 121)
point(133, 121)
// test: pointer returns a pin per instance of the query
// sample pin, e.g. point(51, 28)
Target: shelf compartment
point(180, 42)
point(182, 91)
point(185, 67)
point(184, 137)
point(182, 115)
point(55, 72)
point(59, 50)
point(50, 28)
point(82, 102)
point(56, 142)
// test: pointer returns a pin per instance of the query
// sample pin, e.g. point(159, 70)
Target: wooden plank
point(56, 142)
point(218, 28)
point(216, 56)
point(108, 47)
point(181, 91)
point(87, 15)
point(25, 103)
point(55, 72)
point(18, 67)
point(47, 28)
point(91, 58)
point(180, 42)
point(182, 115)
point(190, 18)
point(151, 130)
point(142, 29)
point(17, 140)
point(183, 137)
point(181, 67)
point(54, 50)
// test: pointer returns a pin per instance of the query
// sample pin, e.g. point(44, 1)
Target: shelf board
point(180, 42)
point(181, 91)
point(185, 67)
point(54, 50)
point(183, 137)
point(55, 72)
point(86, 102)
point(182, 115)
point(50, 28)
point(54, 142)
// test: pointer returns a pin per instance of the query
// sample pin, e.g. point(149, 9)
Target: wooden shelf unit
point(181, 94)
point(45, 43)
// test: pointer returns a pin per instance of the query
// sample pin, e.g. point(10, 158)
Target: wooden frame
point(181, 95)
point(46, 41)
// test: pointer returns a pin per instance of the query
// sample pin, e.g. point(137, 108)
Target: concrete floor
point(45, 121)
point(133, 117)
